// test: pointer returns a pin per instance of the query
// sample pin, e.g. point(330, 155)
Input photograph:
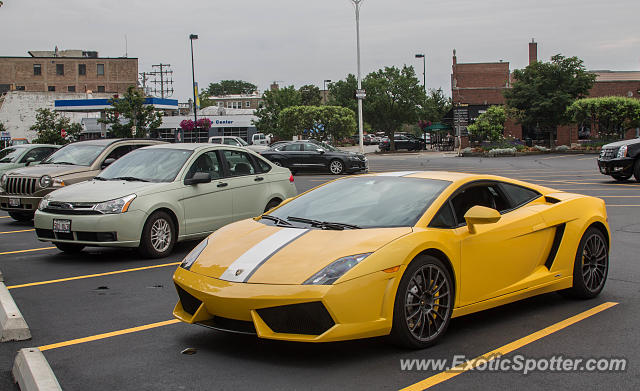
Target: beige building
point(73, 71)
point(252, 101)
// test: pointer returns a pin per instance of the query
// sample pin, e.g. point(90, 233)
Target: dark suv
point(621, 159)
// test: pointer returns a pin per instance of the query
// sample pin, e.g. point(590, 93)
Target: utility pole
point(163, 78)
point(360, 95)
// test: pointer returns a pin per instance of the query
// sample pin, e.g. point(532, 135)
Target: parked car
point(401, 142)
point(236, 141)
point(621, 159)
point(22, 189)
point(259, 139)
point(313, 155)
point(24, 155)
point(188, 192)
point(395, 254)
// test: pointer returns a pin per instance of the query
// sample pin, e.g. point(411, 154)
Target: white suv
point(236, 141)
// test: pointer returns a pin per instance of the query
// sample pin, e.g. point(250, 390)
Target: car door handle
point(259, 178)
point(222, 184)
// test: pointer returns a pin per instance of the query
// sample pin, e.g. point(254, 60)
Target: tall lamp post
point(193, 78)
point(424, 70)
point(359, 93)
point(326, 94)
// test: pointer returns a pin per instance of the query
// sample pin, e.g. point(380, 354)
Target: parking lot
point(103, 318)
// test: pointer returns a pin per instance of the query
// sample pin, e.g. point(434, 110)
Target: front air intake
point(189, 303)
point(306, 318)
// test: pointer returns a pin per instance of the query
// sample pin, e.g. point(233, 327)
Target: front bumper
point(357, 165)
point(618, 166)
point(24, 203)
point(108, 230)
point(358, 308)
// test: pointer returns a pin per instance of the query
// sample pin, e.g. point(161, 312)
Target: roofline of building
point(74, 58)
point(479, 63)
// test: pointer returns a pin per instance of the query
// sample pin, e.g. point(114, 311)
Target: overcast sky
point(304, 42)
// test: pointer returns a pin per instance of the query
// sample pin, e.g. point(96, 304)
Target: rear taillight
point(291, 178)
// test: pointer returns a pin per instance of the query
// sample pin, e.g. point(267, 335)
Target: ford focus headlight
point(622, 152)
point(119, 205)
point(190, 259)
point(335, 270)
point(44, 203)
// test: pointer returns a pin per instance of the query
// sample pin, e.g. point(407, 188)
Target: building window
point(60, 69)
point(19, 88)
point(37, 70)
point(247, 104)
point(82, 69)
point(71, 88)
point(220, 104)
point(101, 89)
point(51, 88)
point(228, 105)
point(100, 69)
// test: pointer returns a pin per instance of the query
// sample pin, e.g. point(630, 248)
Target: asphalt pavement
point(71, 302)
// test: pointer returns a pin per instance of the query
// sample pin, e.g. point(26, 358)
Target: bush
point(562, 148)
point(502, 152)
point(467, 150)
point(541, 148)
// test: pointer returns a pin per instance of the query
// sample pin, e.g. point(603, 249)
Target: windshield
point(76, 154)
point(366, 202)
point(149, 165)
point(242, 142)
point(329, 147)
point(10, 155)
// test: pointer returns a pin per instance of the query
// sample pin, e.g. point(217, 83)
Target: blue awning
point(97, 105)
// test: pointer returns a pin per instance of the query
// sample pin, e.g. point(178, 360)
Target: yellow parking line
point(4, 217)
point(15, 232)
point(508, 348)
point(92, 275)
point(107, 335)
point(588, 158)
point(556, 157)
point(27, 251)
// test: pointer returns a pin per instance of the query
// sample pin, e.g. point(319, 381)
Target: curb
point(12, 325)
point(32, 371)
point(1, 276)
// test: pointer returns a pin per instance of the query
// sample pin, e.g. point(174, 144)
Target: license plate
point(15, 202)
point(62, 226)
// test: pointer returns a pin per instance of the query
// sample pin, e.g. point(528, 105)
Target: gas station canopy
point(97, 105)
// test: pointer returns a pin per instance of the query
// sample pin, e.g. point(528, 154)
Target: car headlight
point(190, 259)
point(44, 203)
point(3, 180)
point(45, 181)
point(622, 152)
point(335, 270)
point(119, 205)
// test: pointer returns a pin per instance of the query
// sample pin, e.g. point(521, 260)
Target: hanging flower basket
point(187, 124)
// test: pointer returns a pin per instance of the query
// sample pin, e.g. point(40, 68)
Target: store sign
point(5, 136)
point(223, 122)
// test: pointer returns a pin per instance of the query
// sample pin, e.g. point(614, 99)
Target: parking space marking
point(107, 335)
point(557, 157)
point(4, 217)
point(91, 275)
point(508, 348)
point(15, 232)
point(27, 251)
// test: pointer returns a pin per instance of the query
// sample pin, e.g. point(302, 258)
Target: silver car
point(156, 196)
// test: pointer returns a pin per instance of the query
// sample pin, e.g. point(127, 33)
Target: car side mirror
point(480, 215)
point(108, 162)
point(198, 177)
point(320, 150)
point(30, 160)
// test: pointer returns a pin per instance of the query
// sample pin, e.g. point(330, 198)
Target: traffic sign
point(361, 94)
point(63, 133)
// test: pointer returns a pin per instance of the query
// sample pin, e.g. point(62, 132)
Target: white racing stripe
point(397, 173)
point(250, 261)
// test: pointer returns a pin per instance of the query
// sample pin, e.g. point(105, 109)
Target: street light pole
point(357, 4)
point(193, 78)
point(424, 70)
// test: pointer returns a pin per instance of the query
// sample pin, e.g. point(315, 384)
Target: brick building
point(73, 71)
point(476, 86)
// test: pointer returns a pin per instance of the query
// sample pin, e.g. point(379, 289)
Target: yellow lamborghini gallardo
point(396, 254)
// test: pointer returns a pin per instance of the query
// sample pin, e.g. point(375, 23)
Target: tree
point(394, 97)
point(230, 87)
point(542, 92)
point(274, 101)
point(49, 126)
point(489, 125)
point(611, 115)
point(321, 121)
point(343, 93)
point(130, 117)
point(310, 95)
point(436, 106)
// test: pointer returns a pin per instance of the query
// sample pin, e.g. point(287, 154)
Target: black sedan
point(307, 155)
point(402, 142)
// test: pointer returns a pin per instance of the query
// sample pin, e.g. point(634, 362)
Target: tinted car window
point(37, 154)
point(216, 140)
point(367, 201)
point(239, 163)
point(518, 194)
point(444, 218)
point(311, 147)
point(291, 147)
point(487, 195)
point(264, 166)
point(230, 141)
point(119, 152)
